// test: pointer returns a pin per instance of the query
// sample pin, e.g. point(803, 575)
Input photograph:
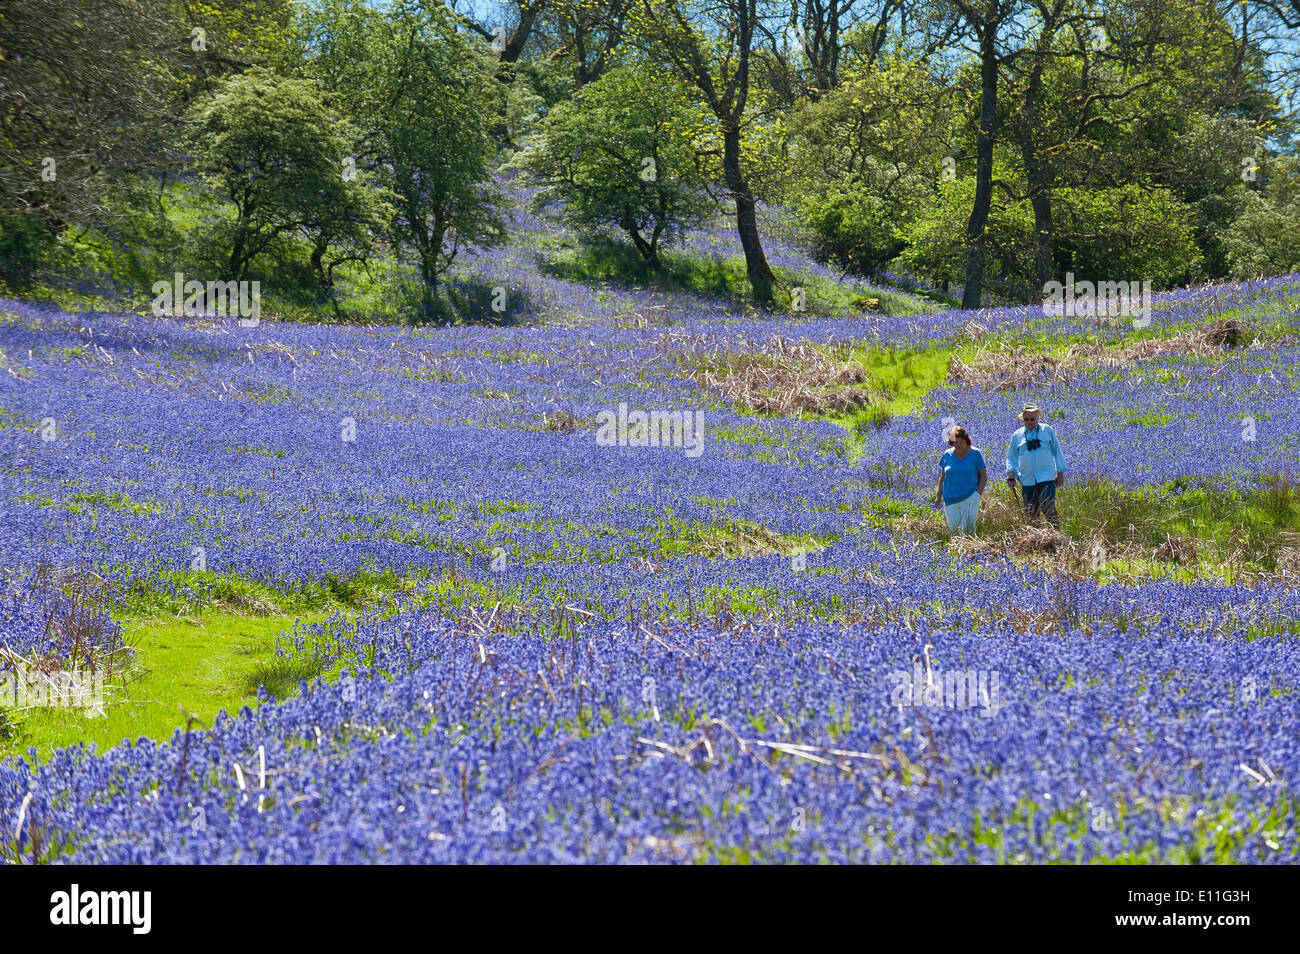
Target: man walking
point(1034, 458)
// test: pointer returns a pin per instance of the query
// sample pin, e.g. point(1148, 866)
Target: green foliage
point(87, 89)
point(935, 240)
point(272, 150)
point(223, 37)
point(853, 227)
point(1264, 239)
point(1125, 233)
point(1129, 231)
point(1136, 148)
point(624, 151)
point(426, 103)
point(25, 244)
point(867, 162)
point(425, 100)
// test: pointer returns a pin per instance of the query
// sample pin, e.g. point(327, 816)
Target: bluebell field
point(1155, 721)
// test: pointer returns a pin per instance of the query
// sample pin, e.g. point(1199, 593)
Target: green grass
point(731, 538)
point(182, 668)
point(1247, 521)
point(208, 650)
point(900, 380)
point(601, 260)
point(1217, 832)
point(175, 593)
point(1146, 419)
point(1221, 534)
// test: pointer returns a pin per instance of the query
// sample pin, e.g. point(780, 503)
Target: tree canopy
point(985, 146)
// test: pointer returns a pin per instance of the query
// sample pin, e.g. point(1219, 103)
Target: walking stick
point(1016, 501)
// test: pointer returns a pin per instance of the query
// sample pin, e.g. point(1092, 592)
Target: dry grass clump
point(790, 377)
point(973, 331)
point(1286, 557)
point(78, 634)
point(1047, 547)
point(651, 316)
point(561, 422)
point(738, 538)
point(1005, 531)
point(742, 540)
point(1038, 545)
point(1021, 367)
point(1134, 534)
point(1177, 550)
point(1288, 563)
point(1012, 368)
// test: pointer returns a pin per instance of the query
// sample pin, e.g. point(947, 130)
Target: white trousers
point(963, 514)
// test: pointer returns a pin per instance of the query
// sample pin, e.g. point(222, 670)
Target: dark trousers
point(1041, 498)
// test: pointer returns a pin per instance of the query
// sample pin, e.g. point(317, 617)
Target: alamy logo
point(1080, 299)
point(195, 299)
point(102, 907)
point(683, 429)
point(953, 689)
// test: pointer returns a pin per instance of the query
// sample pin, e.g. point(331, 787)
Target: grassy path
point(193, 667)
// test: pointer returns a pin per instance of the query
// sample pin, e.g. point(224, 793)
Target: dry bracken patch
point(788, 378)
point(1021, 367)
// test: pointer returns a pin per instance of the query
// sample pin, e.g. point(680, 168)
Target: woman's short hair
point(957, 431)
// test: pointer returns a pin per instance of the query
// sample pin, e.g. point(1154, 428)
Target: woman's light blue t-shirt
point(961, 475)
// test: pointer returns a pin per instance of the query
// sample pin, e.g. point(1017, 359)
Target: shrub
point(624, 151)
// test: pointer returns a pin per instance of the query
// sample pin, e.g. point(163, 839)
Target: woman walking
point(962, 478)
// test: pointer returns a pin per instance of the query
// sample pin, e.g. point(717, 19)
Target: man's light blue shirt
point(1035, 466)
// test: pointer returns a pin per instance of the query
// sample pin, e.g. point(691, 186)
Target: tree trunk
point(760, 274)
point(318, 262)
point(427, 241)
point(235, 264)
point(1037, 177)
point(657, 232)
point(979, 213)
point(1040, 197)
point(646, 249)
point(514, 46)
